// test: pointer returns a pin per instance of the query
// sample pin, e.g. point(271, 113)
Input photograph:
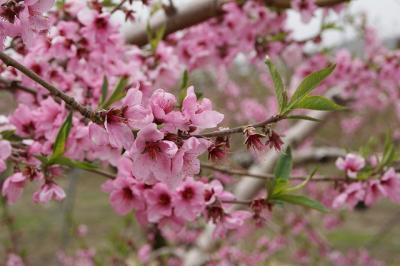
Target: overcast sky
point(383, 14)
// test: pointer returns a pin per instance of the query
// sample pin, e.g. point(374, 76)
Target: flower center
point(152, 149)
point(164, 199)
point(127, 193)
point(188, 193)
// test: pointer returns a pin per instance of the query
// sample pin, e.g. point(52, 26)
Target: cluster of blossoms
point(369, 191)
point(153, 139)
point(23, 18)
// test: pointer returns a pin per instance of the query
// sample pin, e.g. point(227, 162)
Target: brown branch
point(12, 85)
point(284, 4)
point(195, 12)
point(269, 176)
point(85, 111)
point(225, 132)
point(102, 173)
point(115, 9)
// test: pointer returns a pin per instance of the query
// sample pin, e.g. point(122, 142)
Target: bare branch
point(85, 111)
point(225, 132)
point(191, 13)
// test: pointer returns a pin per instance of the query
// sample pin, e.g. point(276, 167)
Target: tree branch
point(12, 85)
point(269, 176)
point(85, 111)
point(225, 132)
point(190, 13)
point(248, 187)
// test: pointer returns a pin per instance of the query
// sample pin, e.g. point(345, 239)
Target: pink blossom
point(159, 202)
point(352, 194)
point(120, 120)
point(23, 120)
point(390, 184)
point(231, 221)
point(5, 152)
point(152, 156)
point(125, 196)
point(373, 192)
point(186, 162)
point(200, 113)
point(189, 200)
point(14, 260)
point(32, 20)
point(306, 9)
point(49, 191)
point(351, 164)
point(13, 186)
point(97, 26)
point(162, 103)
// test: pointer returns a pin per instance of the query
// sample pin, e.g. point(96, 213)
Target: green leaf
point(280, 91)
point(155, 36)
point(284, 165)
point(302, 117)
point(302, 184)
point(183, 87)
point(10, 135)
point(301, 200)
point(59, 144)
point(104, 90)
point(73, 163)
point(309, 83)
point(317, 103)
point(108, 3)
point(118, 93)
point(389, 152)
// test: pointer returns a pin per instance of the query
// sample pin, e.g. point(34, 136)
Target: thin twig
point(115, 9)
point(85, 111)
point(13, 85)
point(268, 176)
point(239, 129)
point(102, 173)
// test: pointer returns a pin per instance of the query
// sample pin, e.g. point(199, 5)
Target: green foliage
point(309, 83)
point(183, 87)
point(280, 90)
point(302, 117)
point(155, 36)
point(10, 135)
point(119, 92)
point(300, 200)
point(317, 103)
point(61, 139)
point(278, 190)
point(301, 98)
point(104, 91)
point(284, 165)
point(73, 163)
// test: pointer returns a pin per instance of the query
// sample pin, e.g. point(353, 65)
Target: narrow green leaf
point(155, 36)
point(284, 165)
point(118, 93)
point(389, 152)
point(59, 144)
point(302, 200)
point(10, 135)
point(280, 91)
point(309, 83)
point(302, 184)
point(73, 163)
point(302, 117)
point(104, 90)
point(317, 103)
point(183, 87)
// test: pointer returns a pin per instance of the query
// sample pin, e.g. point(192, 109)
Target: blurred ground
point(42, 228)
